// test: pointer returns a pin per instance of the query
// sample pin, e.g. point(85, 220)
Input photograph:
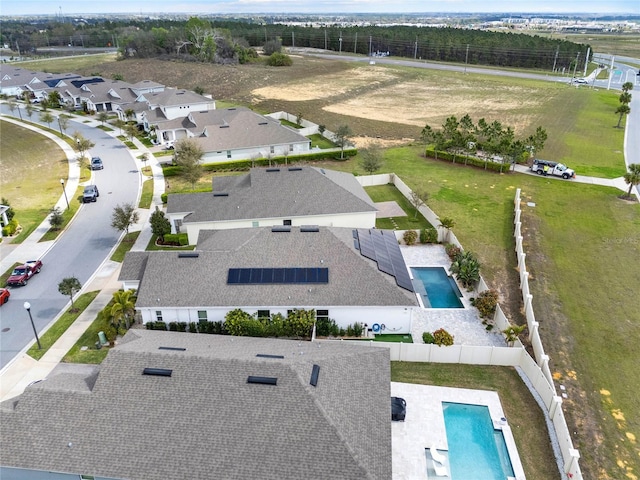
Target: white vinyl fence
point(537, 370)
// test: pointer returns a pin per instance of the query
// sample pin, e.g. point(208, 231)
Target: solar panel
point(356, 244)
point(354, 232)
point(257, 276)
point(366, 244)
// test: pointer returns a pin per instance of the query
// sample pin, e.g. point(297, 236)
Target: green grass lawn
point(67, 215)
point(319, 141)
point(69, 64)
point(124, 246)
point(30, 173)
point(91, 354)
point(524, 416)
point(392, 337)
point(147, 194)
point(386, 193)
point(64, 322)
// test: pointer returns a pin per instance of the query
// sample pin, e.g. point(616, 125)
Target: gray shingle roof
point(171, 97)
point(202, 282)
point(282, 193)
point(206, 421)
point(134, 268)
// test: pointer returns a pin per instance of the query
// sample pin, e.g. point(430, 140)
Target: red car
point(22, 274)
point(4, 296)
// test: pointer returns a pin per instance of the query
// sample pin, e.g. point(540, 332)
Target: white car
point(580, 80)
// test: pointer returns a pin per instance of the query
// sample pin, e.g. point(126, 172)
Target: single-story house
point(168, 405)
point(275, 270)
point(284, 195)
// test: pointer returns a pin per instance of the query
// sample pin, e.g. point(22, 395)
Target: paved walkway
point(23, 370)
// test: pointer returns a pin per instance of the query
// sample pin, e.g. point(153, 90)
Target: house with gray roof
point(168, 405)
point(265, 271)
point(284, 195)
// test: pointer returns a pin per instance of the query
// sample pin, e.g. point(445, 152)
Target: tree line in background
point(226, 41)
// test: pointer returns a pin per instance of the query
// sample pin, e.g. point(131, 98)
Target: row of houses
point(166, 114)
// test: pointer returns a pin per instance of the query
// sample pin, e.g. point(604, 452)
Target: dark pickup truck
point(22, 274)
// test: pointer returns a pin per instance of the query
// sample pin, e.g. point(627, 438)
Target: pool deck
point(463, 323)
point(424, 428)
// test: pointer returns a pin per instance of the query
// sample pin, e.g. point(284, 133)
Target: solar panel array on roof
point(382, 247)
point(256, 276)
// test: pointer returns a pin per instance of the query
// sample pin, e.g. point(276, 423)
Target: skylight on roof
point(262, 380)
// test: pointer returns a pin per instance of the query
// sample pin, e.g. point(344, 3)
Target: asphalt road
point(79, 251)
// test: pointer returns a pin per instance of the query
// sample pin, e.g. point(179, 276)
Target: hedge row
point(467, 160)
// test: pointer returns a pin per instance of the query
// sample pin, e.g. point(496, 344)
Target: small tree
point(512, 332)
point(123, 308)
point(188, 154)
point(54, 99)
point(63, 123)
point(321, 129)
point(56, 219)
point(341, 138)
point(123, 217)
point(272, 46)
point(103, 117)
point(299, 119)
point(13, 106)
point(69, 286)
point(447, 223)
point(623, 109)
point(199, 90)
point(418, 198)
point(371, 160)
point(47, 118)
point(29, 109)
point(632, 177)
point(131, 131)
point(82, 145)
point(160, 224)
point(120, 124)
point(144, 158)
point(10, 212)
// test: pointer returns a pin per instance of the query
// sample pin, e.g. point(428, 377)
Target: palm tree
point(625, 97)
point(512, 332)
point(623, 109)
point(627, 86)
point(447, 223)
point(123, 308)
point(632, 177)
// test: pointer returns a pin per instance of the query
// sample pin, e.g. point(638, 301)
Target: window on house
point(255, 224)
point(291, 148)
point(286, 222)
point(322, 314)
point(159, 315)
point(272, 149)
point(266, 314)
point(202, 316)
point(228, 153)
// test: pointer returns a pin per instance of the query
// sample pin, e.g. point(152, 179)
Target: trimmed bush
point(427, 337)
point(442, 338)
point(277, 59)
point(181, 239)
point(452, 251)
point(486, 303)
point(410, 237)
point(156, 326)
point(325, 327)
point(429, 235)
point(467, 160)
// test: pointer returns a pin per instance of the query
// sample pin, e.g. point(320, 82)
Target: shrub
point(156, 326)
point(325, 327)
point(181, 239)
point(193, 327)
point(410, 237)
point(236, 322)
point(486, 303)
point(429, 235)
point(427, 337)
point(442, 337)
point(299, 323)
point(466, 268)
point(278, 59)
point(452, 250)
point(357, 328)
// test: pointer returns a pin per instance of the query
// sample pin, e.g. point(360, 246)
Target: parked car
point(552, 168)
point(96, 163)
point(22, 274)
point(398, 409)
point(90, 194)
point(4, 296)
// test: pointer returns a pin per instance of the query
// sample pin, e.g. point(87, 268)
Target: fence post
point(517, 216)
point(533, 329)
point(524, 277)
point(556, 403)
point(574, 455)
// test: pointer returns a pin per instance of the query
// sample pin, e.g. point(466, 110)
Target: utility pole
point(293, 39)
point(355, 44)
point(555, 59)
point(325, 38)
point(610, 73)
point(415, 49)
point(369, 45)
point(575, 66)
point(586, 61)
point(466, 59)
point(340, 43)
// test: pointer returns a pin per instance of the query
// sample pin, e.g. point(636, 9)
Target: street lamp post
point(65, 192)
point(27, 307)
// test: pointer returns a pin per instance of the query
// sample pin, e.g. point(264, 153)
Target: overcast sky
point(67, 7)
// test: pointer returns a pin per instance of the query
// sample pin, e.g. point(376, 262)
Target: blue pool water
point(476, 450)
point(438, 290)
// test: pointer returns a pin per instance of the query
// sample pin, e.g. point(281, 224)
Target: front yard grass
point(91, 354)
point(124, 246)
point(64, 322)
point(67, 215)
point(523, 413)
point(147, 193)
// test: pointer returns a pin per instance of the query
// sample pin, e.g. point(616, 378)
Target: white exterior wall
point(348, 220)
point(256, 152)
point(396, 319)
point(130, 285)
point(179, 111)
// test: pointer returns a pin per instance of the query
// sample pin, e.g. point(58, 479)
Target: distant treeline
point(180, 38)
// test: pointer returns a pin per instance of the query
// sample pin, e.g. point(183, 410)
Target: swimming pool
point(476, 450)
point(437, 289)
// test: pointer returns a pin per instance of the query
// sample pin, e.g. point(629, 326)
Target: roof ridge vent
point(272, 170)
point(220, 194)
point(295, 169)
point(267, 355)
point(177, 349)
point(262, 380)
point(158, 372)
